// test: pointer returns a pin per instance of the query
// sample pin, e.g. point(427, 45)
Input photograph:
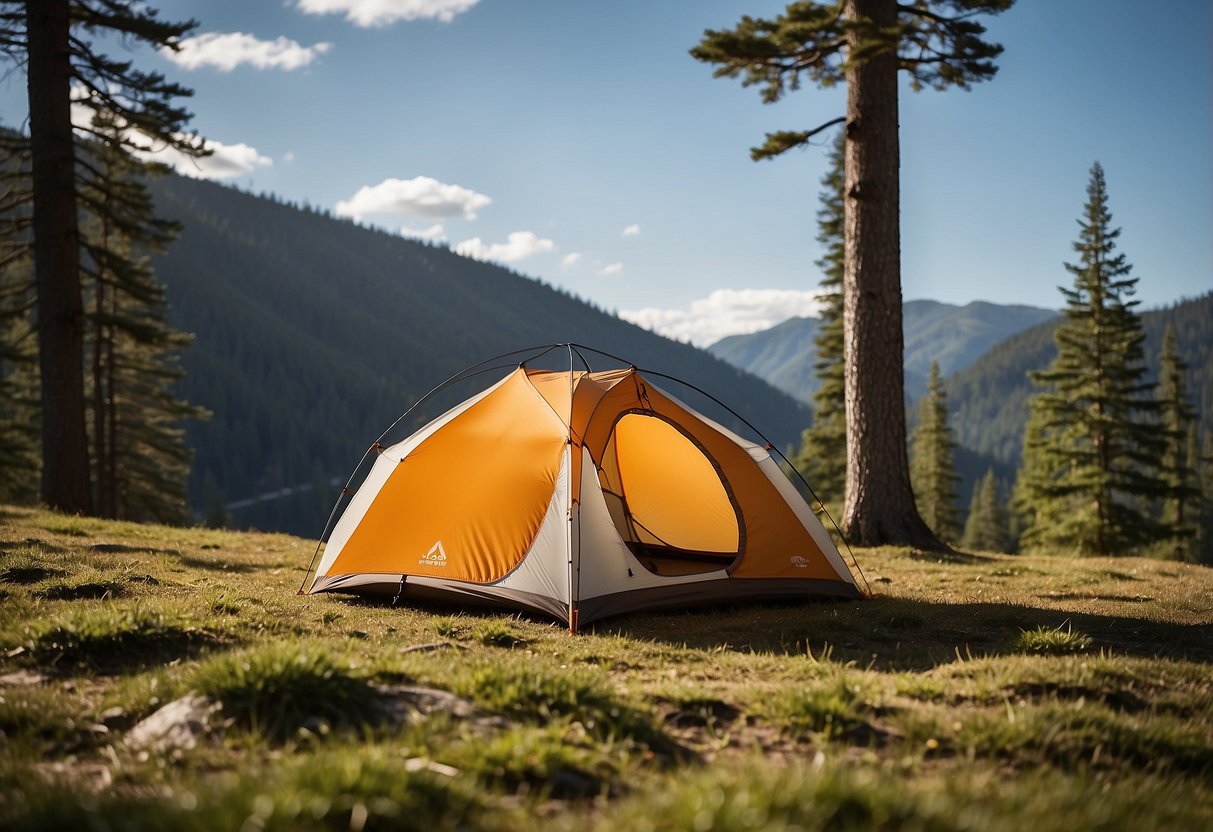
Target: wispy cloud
point(227, 50)
point(610, 269)
point(420, 196)
point(570, 258)
point(434, 232)
point(632, 230)
point(518, 246)
point(226, 161)
point(726, 312)
point(384, 12)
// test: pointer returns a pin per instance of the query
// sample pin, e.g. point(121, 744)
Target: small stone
point(20, 678)
point(178, 725)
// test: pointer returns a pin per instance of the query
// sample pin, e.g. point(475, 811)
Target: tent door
point(668, 498)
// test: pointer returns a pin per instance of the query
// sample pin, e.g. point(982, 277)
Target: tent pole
point(574, 569)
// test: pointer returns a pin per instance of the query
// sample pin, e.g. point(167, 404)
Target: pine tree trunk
point(99, 452)
point(879, 507)
point(111, 410)
point(65, 469)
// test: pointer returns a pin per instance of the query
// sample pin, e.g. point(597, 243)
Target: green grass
point(108, 638)
point(277, 689)
point(831, 707)
point(1053, 641)
point(974, 692)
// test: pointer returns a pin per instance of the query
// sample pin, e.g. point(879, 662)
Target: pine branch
point(782, 141)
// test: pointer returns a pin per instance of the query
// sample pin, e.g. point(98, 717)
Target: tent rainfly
point(581, 495)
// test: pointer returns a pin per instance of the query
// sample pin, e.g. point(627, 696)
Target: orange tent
point(579, 494)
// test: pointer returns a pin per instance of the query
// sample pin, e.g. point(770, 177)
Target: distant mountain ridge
point(313, 334)
point(986, 381)
point(955, 336)
point(988, 400)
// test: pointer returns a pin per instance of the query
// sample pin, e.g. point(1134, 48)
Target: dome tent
point(578, 494)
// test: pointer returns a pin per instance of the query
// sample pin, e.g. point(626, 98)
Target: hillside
point(159, 678)
point(314, 334)
point(988, 400)
point(955, 336)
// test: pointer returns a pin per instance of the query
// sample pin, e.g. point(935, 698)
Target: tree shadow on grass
point(7, 546)
point(123, 651)
point(951, 556)
point(897, 634)
point(213, 564)
point(12, 512)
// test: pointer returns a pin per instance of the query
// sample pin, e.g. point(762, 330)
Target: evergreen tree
point(1204, 469)
point(1030, 510)
point(1098, 449)
point(932, 469)
point(18, 363)
point(1178, 467)
point(864, 43)
point(140, 460)
point(52, 42)
point(822, 457)
point(18, 386)
point(986, 528)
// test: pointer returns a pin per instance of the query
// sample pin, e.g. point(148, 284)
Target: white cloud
point(519, 245)
point(420, 196)
point(570, 258)
point(225, 162)
point(434, 232)
point(227, 50)
point(726, 312)
point(289, 156)
point(632, 230)
point(384, 12)
point(613, 268)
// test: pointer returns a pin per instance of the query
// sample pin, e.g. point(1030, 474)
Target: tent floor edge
point(709, 593)
point(474, 596)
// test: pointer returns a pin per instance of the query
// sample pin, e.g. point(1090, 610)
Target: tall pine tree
point(1032, 514)
point(53, 42)
point(822, 457)
point(1204, 470)
point(932, 467)
point(1178, 465)
point(18, 358)
point(986, 528)
point(140, 460)
point(865, 43)
point(1097, 450)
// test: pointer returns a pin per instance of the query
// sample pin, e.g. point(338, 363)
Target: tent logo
point(436, 556)
point(800, 562)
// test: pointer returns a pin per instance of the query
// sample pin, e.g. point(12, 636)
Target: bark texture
point(879, 506)
point(65, 475)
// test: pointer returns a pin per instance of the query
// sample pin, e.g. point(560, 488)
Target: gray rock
point(178, 725)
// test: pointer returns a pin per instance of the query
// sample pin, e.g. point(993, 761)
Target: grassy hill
point(314, 334)
point(955, 336)
point(975, 692)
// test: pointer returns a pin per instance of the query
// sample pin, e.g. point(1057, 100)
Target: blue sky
point(580, 143)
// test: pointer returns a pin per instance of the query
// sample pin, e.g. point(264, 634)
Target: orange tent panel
point(467, 503)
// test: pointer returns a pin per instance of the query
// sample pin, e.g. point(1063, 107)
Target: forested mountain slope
point(313, 334)
point(955, 336)
point(988, 400)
